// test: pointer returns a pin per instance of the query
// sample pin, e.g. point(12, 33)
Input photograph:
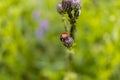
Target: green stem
point(70, 53)
point(65, 23)
point(72, 31)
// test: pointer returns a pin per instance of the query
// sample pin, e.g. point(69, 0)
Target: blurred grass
point(26, 54)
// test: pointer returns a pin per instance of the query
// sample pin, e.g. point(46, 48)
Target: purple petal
point(44, 25)
point(39, 33)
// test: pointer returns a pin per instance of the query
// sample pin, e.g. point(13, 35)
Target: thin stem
point(72, 31)
point(65, 23)
point(70, 53)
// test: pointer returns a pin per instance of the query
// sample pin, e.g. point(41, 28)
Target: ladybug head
point(64, 36)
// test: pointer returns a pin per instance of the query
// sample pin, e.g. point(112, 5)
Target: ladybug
point(64, 36)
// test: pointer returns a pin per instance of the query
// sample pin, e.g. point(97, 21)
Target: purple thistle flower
point(39, 33)
point(68, 42)
point(66, 5)
point(44, 24)
point(60, 9)
point(76, 4)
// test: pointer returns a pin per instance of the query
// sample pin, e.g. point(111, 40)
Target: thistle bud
point(76, 4)
point(68, 42)
point(77, 13)
point(60, 9)
point(66, 4)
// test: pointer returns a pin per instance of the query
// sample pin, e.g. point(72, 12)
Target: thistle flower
point(60, 9)
point(76, 4)
point(66, 4)
point(68, 42)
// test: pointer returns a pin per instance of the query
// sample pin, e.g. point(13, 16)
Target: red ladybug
point(64, 36)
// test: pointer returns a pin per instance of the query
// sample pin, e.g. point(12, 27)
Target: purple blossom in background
point(39, 33)
point(44, 24)
point(35, 15)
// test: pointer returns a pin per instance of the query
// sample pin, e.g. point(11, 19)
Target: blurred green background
point(30, 48)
